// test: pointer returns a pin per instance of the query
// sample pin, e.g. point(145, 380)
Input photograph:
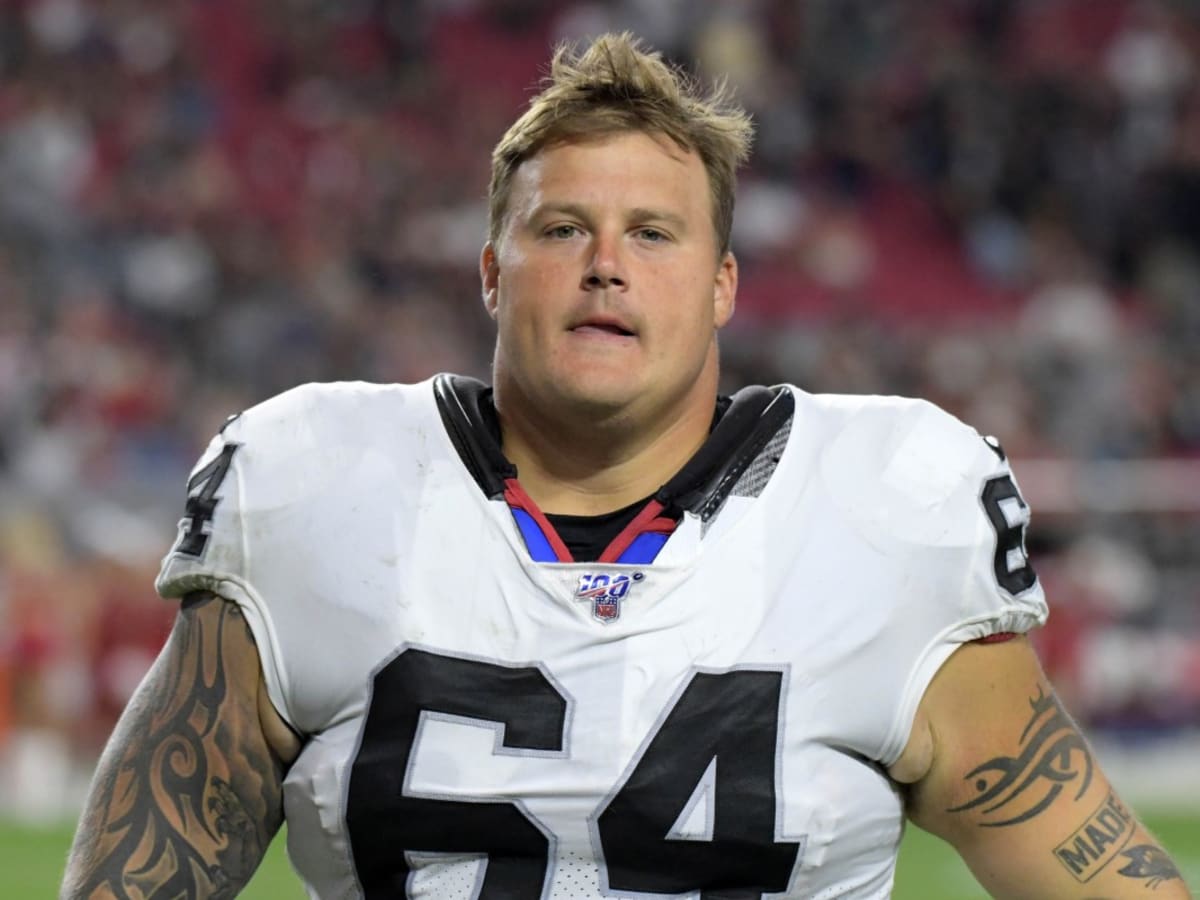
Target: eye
point(561, 232)
point(652, 235)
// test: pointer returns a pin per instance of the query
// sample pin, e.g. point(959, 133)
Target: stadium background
point(994, 204)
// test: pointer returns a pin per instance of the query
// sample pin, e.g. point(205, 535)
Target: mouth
point(603, 326)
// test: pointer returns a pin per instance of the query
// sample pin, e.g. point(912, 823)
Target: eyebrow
point(644, 214)
point(569, 209)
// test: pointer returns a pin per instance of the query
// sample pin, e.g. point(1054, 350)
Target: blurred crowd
point(994, 204)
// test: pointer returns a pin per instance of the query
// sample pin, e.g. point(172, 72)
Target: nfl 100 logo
point(606, 592)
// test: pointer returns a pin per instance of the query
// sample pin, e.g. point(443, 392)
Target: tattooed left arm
point(997, 767)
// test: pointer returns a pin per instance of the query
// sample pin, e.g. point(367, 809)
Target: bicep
point(188, 793)
point(1015, 787)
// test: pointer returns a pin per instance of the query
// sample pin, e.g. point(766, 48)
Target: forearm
point(1109, 855)
point(187, 795)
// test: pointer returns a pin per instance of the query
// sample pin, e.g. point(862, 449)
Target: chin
point(598, 399)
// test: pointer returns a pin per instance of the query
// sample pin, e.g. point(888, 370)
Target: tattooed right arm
point(188, 793)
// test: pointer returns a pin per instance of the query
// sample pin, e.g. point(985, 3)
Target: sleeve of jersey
point(219, 545)
point(949, 509)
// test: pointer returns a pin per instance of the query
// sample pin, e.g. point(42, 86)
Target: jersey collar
point(701, 487)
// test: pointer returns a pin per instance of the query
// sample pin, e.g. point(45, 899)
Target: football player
point(592, 630)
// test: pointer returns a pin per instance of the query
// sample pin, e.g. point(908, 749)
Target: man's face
point(606, 282)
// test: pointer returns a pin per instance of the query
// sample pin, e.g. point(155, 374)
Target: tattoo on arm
point(1149, 861)
point(1095, 843)
point(1053, 757)
point(1014, 789)
point(188, 795)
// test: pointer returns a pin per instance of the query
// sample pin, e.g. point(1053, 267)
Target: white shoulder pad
point(277, 454)
point(268, 492)
point(944, 518)
point(909, 474)
point(907, 469)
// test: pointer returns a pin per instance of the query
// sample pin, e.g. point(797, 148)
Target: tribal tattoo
point(1053, 754)
point(189, 794)
point(1149, 861)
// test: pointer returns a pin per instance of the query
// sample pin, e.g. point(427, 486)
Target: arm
point(188, 793)
point(999, 769)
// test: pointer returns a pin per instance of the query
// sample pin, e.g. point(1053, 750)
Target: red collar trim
point(646, 520)
point(516, 497)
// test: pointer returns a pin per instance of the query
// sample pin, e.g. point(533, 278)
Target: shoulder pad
point(908, 468)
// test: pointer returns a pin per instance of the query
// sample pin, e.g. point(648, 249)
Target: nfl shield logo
point(605, 593)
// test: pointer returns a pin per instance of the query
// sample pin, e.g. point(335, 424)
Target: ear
point(489, 276)
point(725, 290)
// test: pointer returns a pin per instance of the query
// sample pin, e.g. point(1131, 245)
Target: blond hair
point(615, 86)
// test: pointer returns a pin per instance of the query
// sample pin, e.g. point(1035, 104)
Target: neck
point(589, 468)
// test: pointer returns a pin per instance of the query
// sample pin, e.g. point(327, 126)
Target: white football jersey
point(713, 718)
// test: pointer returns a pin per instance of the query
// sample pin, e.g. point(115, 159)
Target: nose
point(606, 269)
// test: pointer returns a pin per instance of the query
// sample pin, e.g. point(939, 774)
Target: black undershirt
point(587, 537)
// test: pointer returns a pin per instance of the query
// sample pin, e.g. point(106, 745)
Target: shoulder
point(898, 463)
point(880, 426)
point(298, 443)
point(323, 425)
point(299, 448)
point(906, 442)
point(324, 409)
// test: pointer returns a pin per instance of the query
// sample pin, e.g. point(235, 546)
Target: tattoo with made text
point(1052, 755)
point(191, 798)
point(1096, 842)
point(1149, 861)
